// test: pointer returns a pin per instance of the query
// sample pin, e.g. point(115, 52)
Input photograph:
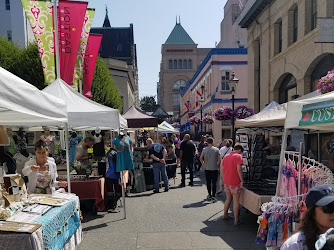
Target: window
point(119, 47)
point(175, 64)
point(190, 64)
point(170, 64)
point(295, 24)
point(280, 37)
point(176, 94)
point(7, 5)
point(9, 35)
point(180, 64)
point(185, 64)
point(225, 77)
point(313, 14)
point(288, 89)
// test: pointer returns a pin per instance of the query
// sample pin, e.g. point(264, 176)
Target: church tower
point(179, 62)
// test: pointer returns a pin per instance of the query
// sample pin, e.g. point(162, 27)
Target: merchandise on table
point(18, 227)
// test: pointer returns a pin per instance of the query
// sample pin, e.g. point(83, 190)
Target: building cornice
point(254, 11)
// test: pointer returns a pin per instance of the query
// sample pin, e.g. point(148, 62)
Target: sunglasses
point(329, 208)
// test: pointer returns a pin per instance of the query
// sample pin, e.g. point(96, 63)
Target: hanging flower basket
point(222, 113)
point(194, 120)
point(326, 83)
point(208, 119)
point(243, 112)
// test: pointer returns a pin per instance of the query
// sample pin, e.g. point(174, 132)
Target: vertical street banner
point(78, 71)
point(92, 50)
point(39, 14)
point(71, 16)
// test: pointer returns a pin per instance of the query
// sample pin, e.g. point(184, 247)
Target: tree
point(104, 89)
point(148, 103)
point(24, 63)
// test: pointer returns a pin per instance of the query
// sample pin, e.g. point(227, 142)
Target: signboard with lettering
point(317, 113)
point(326, 30)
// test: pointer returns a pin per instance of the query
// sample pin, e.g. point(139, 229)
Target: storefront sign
point(317, 113)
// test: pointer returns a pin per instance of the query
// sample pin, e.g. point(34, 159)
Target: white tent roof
point(167, 128)
point(83, 112)
point(273, 117)
point(271, 105)
point(313, 113)
point(22, 104)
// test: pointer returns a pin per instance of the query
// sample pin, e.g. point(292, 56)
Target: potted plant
point(326, 83)
point(208, 119)
point(222, 113)
point(243, 112)
point(194, 120)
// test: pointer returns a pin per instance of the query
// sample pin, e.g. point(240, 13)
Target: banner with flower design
point(71, 15)
point(39, 14)
point(78, 71)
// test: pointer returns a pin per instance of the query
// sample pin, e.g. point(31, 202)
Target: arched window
point(288, 89)
point(180, 64)
point(170, 64)
point(185, 64)
point(190, 64)
point(175, 64)
point(176, 94)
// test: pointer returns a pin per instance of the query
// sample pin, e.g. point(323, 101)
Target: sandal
point(238, 223)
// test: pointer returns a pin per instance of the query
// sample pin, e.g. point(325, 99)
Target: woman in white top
point(222, 152)
point(42, 173)
point(318, 219)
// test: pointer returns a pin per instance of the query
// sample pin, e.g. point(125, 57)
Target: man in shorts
point(233, 181)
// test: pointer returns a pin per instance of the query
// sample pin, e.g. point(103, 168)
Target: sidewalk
point(178, 219)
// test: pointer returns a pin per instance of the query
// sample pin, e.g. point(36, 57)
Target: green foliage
point(148, 103)
point(24, 63)
point(104, 89)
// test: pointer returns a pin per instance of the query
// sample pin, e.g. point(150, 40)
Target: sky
point(153, 21)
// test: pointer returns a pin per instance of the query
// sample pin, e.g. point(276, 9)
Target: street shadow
point(217, 227)
point(94, 227)
point(87, 216)
point(136, 195)
point(201, 203)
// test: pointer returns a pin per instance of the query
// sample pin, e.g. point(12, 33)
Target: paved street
point(179, 219)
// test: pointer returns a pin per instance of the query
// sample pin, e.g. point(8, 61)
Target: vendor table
point(252, 201)
point(91, 189)
point(61, 229)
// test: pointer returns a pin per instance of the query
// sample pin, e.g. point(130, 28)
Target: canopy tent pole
point(55, 22)
point(123, 188)
point(281, 160)
point(67, 159)
point(319, 155)
point(299, 169)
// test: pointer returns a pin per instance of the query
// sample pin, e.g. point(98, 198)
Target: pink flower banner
point(92, 50)
point(71, 16)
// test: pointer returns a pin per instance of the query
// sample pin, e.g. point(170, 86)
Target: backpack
point(112, 159)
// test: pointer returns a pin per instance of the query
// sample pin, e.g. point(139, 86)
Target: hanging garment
point(98, 147)
point(112, 159)
point(124, 160)
point(50, 141)
point(74, 141)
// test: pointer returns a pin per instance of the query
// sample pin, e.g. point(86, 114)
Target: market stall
point(55, 224)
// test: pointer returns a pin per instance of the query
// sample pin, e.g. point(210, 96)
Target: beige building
point(180, 61)
point(285, 57)
point(124, 76)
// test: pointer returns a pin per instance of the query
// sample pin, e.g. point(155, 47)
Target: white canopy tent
point(165, 127)
point(83, 113)
point(22, 104)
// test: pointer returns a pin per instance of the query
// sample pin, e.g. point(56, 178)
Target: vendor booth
point(35, 222)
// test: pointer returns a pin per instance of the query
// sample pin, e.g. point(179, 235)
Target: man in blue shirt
point(158, 154)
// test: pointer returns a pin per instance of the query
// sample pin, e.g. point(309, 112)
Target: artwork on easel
point(258, 154)
point(258, 162)
point(244, 154)
point(245, 161)
point(257, 176)
point(258, 146)
point(259, 138)
point(243, 138)
point(258, 169)
point(245, 146)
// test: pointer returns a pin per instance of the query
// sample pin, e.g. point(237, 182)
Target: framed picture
point(244, 154)
point(259, 138)
point(257, 176)
point(258, 146)
point(258, 154)
point(258, 169)
point(243, 138)
point(245, 146)
point(245, 161)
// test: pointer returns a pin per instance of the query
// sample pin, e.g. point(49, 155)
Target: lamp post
point(232, 83)
point(201, 100)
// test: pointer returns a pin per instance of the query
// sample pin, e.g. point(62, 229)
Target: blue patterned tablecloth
point(59, 224)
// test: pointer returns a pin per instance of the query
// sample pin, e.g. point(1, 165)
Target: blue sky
point(153, 20)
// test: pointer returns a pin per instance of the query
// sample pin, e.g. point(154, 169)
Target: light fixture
point(233, 83)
